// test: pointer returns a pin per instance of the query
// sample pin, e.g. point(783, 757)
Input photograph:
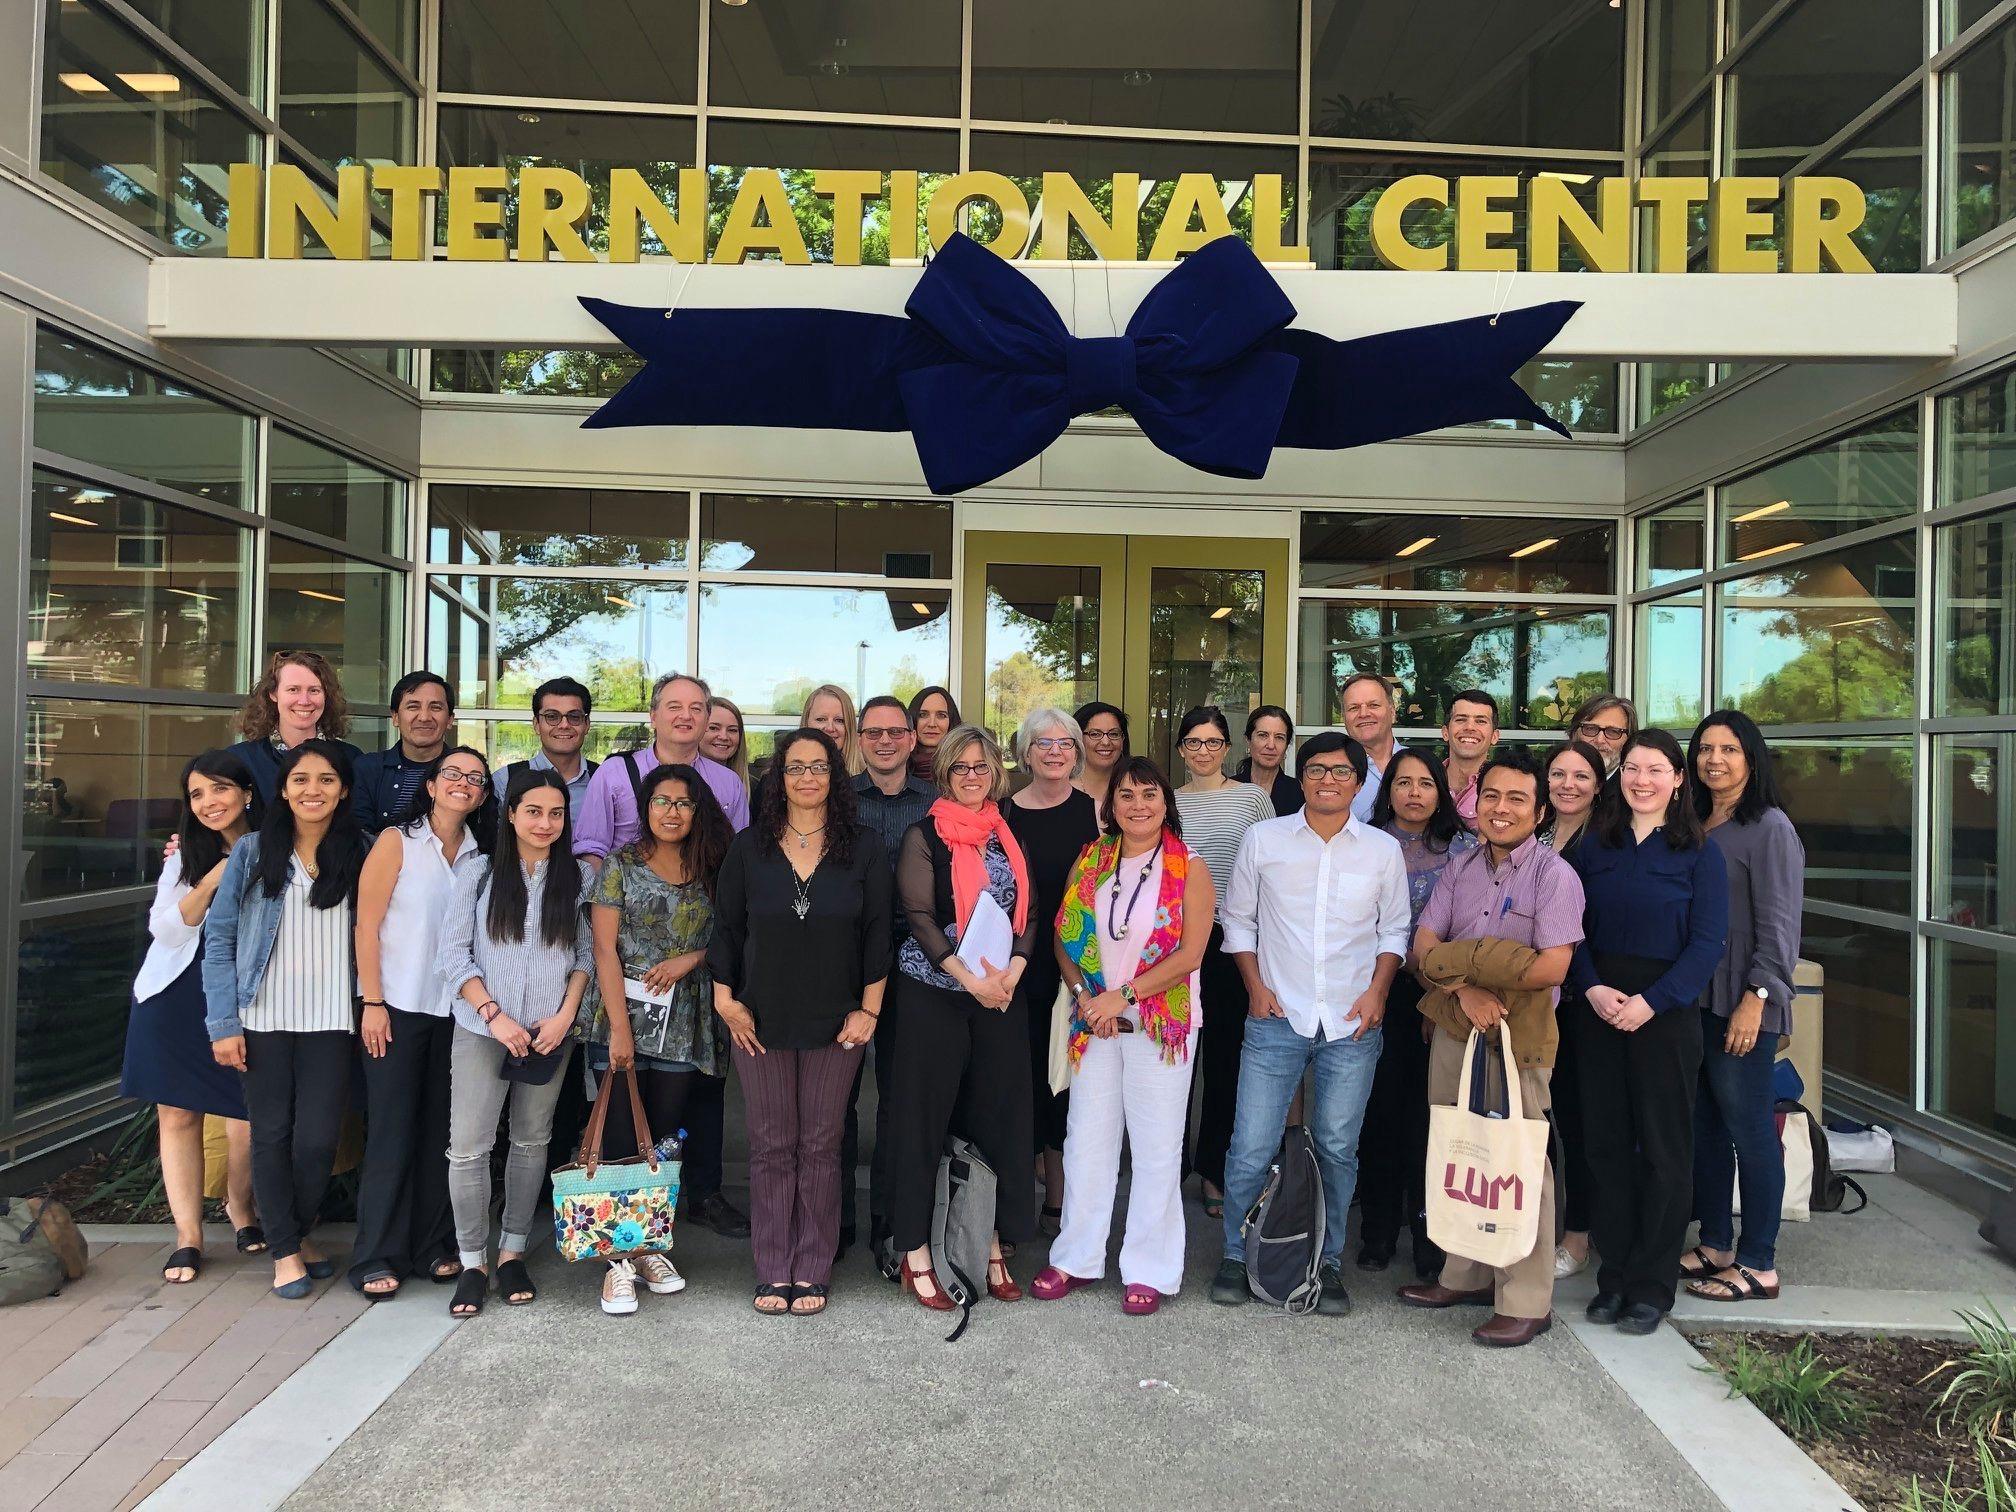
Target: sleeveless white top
point(409, 940)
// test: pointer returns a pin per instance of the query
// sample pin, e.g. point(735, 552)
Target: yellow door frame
point(986, 548)
point(1146, 553)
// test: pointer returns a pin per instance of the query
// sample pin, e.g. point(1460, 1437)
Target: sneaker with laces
point(657, 1273)
point(619, 1288)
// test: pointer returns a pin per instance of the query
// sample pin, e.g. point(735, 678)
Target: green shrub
point(1996, 1493)
point(1798, 1391)
point(1980, 1395)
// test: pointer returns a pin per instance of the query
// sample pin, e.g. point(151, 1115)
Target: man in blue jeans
point(1317, 919)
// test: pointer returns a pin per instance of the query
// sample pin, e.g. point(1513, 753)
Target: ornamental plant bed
point(1890, 1434)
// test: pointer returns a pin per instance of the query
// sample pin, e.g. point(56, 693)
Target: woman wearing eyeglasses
point(800, 957)
point(1216, 812)
point(404, 1222)
point(1105, 730)
point(1606, 723)
point(1054, 822)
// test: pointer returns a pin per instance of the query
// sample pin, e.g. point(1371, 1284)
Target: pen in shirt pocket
point(1505, 907)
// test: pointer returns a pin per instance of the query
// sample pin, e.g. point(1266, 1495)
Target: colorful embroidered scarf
point(1165, 1017)
point(965, 835)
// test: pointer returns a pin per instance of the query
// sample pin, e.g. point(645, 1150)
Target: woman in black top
point(964, 1033)
point(1270, 734)
point(1054, 821)
point(799, 957)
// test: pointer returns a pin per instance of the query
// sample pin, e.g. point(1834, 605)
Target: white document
point(989, 936)
point(637, 992)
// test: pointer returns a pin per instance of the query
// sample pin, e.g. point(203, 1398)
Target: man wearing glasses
point(1318, 920)
point(1606, 722)
point(560, 709)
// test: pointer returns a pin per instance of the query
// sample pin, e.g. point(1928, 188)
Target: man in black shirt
point(423, 714)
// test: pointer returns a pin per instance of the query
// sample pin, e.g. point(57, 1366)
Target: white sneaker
point(619, 1288)
point(659, 1275)
point(1566, 1265)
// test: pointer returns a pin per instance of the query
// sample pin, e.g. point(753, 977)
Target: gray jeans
point(476, 1098)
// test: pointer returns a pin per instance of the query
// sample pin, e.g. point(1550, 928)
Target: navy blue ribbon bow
point(984, 374)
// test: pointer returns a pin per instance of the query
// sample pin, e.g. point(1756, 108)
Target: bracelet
point(374, 1002)
point(875, 1015)
point(491, 1004)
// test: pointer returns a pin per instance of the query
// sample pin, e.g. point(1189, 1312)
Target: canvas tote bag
point(1485, 1169)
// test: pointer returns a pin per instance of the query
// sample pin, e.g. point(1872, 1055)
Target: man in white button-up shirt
point(1317, 918)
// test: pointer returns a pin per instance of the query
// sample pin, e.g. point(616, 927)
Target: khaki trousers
point(1525, 1290)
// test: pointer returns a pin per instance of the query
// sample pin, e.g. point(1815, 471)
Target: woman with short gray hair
point(1055, 821)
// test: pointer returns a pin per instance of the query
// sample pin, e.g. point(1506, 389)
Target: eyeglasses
point(663, 805)
point(1589, 730)
point(1200, 743)
point(456, 777)
point(1104, 737)
point(1054, 743)
point(555, 717)
point(809, 769)
point(886, 732)
point(1324, 771)
point(969, 769)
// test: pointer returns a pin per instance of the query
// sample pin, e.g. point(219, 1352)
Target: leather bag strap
point(590, 1155)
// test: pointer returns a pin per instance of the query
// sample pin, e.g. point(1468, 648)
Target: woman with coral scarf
point(963, 1028)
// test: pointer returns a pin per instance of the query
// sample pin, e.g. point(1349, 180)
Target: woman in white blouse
point(168, 1059)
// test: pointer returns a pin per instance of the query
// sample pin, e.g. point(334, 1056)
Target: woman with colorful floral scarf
point(1130, 937)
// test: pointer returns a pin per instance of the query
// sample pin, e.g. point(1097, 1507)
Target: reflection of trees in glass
point(1838, 647)
point(1386, 118)
point(568, 373)
point(1346, 189)
point(1434, 650)
point(1056, 666)
point(813, 212)
point(984, 218)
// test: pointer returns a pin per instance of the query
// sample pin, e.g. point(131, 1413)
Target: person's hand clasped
point(1370, 1011)
point(994, 988)
point(511, 1034)
point(1483, 1009)
point(1263, 1004)
point(1102, 1013)
point(664, 976)
point(741, 1026)
point(858, 1029)
point(1606, 1001)
point(550, 1033)
point(1633, 1013)
point(375, 1029)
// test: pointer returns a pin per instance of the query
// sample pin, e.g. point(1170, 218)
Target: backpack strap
point(629, 759)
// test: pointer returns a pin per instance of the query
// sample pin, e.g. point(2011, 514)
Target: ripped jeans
point(476, 1097)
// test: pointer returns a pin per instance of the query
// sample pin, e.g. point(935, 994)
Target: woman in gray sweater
point(1748, 1012)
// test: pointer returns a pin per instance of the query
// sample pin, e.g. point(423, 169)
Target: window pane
point(1669, 661)
point(1681, 153)
point(123, 590)
point(128, 129)
point(1539, 663)
point(1457, 553)
point(799, 150)
point(1042, 641)
point(507, 740)
point(1813, 73)
point(351, 612)
point(1973, 835)
point(396, 23)
point(1977, 439)
point(1888, 161)
point(324, 491)
point(1093, 162)
point(1667, 385)
point(98, 407)
point(1206, 645)
point(1980, 140)
point(1865, 477)
point(1824, 640)
point(71, 998)
point(498, 638)
point(1852, 803)
point(897, 538)
point(546, 373)
point(656, 146)
point(582, 52)
point(524, 526)
point(895, 57)
point(1218, 65)
point(1670, 542)
point(1679, 49)
point(1345, 186)
point(1531, 73)
point(100, 790)
point(336, 98)
point(1961, 14)
point(1578, 393)
point(766, 648)
point(1971, 988)
point(1868, 1000)
point(226, 36)
point(1977, 637)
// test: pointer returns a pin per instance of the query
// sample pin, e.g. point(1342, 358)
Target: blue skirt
point(168, 1057)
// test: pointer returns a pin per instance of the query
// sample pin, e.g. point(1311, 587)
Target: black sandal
point(251, 1240)
point(1696, 1263)
point(364, 1286)
point(780, 1289)
point(187, 1259)
point(442, 1277)
point(1745, 1288)
point(514, 1284)
point(806, 1291)
point(471, 1288)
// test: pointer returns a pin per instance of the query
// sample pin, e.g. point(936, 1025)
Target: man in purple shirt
point(1513, 888)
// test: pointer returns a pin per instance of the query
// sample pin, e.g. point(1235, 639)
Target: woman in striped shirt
point(1216, 812)
point(278, 983)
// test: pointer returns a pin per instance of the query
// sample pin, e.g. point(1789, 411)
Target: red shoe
point(1052, 1283)
point(1140, 1301)
point(937, 1301)
point(1004, 1290)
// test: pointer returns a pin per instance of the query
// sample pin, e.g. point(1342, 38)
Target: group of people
point(413, 933)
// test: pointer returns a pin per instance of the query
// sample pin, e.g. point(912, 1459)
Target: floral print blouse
point(655, 921)
point(1425, 863)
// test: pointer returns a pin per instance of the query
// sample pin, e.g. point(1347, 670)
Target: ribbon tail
point(1402, 383)
point(973, 424)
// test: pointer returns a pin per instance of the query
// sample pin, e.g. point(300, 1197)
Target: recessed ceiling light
point(1540, 545)
point(1224, 611)
point(1867, 619)
point(618, 600)
point(1751, 556)
point(529, 117)
point(1135, 78)
point(208, 598)
point(70, 519)
point(1761, 511)
point(316, 593)
point(1413, 546)
point(921, 608)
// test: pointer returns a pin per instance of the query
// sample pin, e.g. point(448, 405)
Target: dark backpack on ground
point(1284, 1230)
point(1830, 1188)
point(962, 1227)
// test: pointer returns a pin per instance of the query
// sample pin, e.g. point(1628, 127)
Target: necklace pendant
point(801, 906)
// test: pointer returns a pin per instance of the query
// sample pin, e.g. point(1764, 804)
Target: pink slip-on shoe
point(1051, 1283)
point(1140, 1301)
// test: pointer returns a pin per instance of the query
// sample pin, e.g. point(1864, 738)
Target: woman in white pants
point(1137, 914)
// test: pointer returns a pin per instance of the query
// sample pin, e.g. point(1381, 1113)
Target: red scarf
point(965, 835)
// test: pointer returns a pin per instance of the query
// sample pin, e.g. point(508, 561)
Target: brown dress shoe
point(1435, 1294)
point(1509, 1333)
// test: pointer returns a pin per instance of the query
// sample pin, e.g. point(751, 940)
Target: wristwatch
point(1763, 994)
point(1127, 992)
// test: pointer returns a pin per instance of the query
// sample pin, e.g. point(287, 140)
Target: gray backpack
point(1284, 1230)
point(962, 1227)
point(39, 1249)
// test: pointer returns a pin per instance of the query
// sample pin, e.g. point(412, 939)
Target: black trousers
point(1393, 1143)
point(668, 1104)
point(1638, 1092)
point(296, 1090)
point(964, 1070)
point(1040, 981)
point(700, 1167)
point(404, 1223)
point(1224, 1004)
point(1573, 1181)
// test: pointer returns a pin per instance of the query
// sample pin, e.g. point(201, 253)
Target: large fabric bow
point(984, 374)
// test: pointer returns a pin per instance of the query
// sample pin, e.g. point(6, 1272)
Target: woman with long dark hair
point(168, 1060)
point(1104, 727)
point(278, 983)
point(1270, 735)
point(515, 957)
point(1748, 1012)
point(1655, 919)
point(932, 714)
point(651, 1003)
point(1416, 808)
point(799, 959)
point(404, 1223)
point(1572, 776)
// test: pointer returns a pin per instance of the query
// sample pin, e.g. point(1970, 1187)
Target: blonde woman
point(829, 709)
point(724, 740)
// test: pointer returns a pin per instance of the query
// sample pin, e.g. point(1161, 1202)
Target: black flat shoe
point(1428, 1257)
point(251, 1240)
point(1640, 1318)
point(187, 1259)
point(1604, 1307)
point(514, 1284)
point(472, 1287)
point(1375, 1257)
point(1333, 1301)
point(719, 1214)
point(1228, 1287)
point(321, 1270)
